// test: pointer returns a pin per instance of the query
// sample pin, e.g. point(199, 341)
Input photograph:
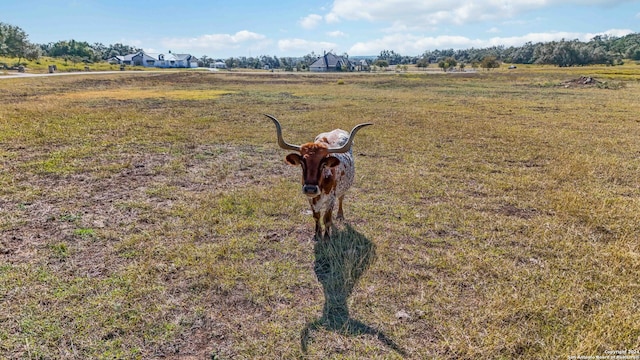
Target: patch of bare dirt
point(511, 210)
point(130, 198)
point(582, 81)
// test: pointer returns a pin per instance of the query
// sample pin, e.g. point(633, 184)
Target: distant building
point(331, 62)
point(363, 65)
point(158, 60)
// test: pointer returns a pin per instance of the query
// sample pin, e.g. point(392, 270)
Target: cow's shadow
point(339, 264)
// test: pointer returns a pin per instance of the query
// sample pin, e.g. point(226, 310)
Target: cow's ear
point(293, 159)
point(331, 161)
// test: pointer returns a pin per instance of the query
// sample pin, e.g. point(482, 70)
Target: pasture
point(152, 215)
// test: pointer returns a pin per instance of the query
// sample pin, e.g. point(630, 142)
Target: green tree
point(309, 59)
point(75, 60)
point(633, 53)
point(287, 63)
point(381, 63)
point(390, 56)
point(118, 49)
point(73, 48)
point(423, 62)
point(447, 63)
point(14, 42)
point(523, 54)
point(31, 52)
point(100, 51)
point(232, 63)
point(490, 62)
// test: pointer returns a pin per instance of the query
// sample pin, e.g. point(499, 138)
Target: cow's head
point(314, 158)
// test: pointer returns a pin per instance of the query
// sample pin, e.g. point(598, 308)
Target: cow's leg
point(340, 214)
point(327, 224)
point(316, 216)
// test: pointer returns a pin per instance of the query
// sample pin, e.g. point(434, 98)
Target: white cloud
point(336, 33)
point(301, 46)
point(332, 18)
point(132, 42)
point(214, 40)
point(411, 44)
point(242, 40)
point(426, 14)
point(311, 21)
point(493, 30)
point(614, 32)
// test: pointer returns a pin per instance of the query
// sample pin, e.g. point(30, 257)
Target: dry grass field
point(148, 215)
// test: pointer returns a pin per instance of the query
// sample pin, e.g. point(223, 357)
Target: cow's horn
point(281, 141)
point(344, 148)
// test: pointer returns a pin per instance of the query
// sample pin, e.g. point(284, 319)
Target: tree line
point(601, 49)
point(14, 42)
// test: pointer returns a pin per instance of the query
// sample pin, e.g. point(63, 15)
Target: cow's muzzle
point(311, 190)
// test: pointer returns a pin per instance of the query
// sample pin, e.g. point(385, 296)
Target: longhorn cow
point(328, 171)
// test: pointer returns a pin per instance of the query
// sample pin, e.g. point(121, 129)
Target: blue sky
point(221, 29)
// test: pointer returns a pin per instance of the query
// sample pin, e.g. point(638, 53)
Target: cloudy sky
point(221, 29)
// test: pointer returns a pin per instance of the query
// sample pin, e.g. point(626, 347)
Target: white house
point(159, 60)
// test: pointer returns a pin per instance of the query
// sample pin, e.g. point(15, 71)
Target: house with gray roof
point(159, 60)
point(331, 62)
